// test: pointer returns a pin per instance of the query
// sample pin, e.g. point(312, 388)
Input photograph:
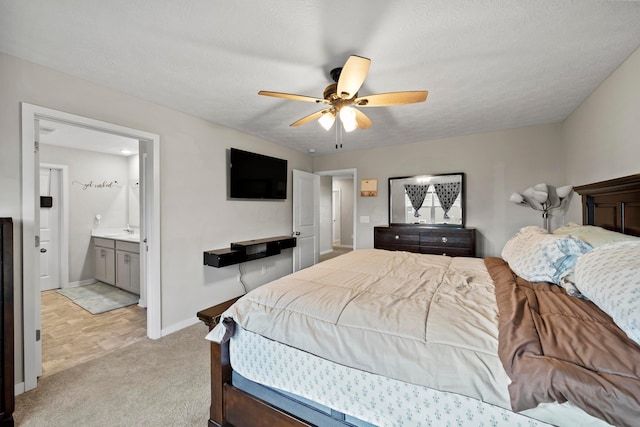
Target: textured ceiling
point(488, 65)
point(64, 135)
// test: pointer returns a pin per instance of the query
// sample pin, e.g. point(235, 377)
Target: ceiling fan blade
point(391, 98)
point(292, 96)
point(352, 76)
point(310, 117)
point(363, 121)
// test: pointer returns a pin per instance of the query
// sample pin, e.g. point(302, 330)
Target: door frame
point(31, 269)
point(353, 172)
point(64, 221)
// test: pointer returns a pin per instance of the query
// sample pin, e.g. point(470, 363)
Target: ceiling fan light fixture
point(341, 96)
point(348, 119)
point(327, 120)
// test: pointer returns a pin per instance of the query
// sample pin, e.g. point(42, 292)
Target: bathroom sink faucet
point(128, 229)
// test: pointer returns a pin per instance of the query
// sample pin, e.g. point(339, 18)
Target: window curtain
point(416, 193)
point(447, 194)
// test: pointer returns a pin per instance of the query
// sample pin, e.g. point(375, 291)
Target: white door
point(50, 230)
point(306, 214)
point(337, 212)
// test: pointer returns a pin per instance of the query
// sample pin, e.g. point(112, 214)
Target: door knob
point(43, 250)
point(296, 233)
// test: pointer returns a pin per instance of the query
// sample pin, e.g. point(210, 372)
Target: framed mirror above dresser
point(426, 215)
point(434, 200)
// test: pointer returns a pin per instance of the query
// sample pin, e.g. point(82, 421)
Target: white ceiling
point(488, 65)
point(64, 135)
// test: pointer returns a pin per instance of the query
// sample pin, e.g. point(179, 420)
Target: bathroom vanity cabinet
point(117, 262)
point(104, 260)
point(128, 266)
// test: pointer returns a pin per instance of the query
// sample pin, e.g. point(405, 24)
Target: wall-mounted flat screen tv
point(255, 176)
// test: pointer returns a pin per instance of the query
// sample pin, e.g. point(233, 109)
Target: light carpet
point(99, 297)
point(162, 382)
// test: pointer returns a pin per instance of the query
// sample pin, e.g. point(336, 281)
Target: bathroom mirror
point(435, 200)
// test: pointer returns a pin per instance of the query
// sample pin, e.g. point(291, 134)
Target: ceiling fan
point(341, 97)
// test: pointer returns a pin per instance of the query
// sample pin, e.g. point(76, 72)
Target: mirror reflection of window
point(427, 199)
point(431, 211)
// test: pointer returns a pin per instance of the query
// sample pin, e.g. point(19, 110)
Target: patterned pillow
point(610, 277)
point(593, 235)
point(538, 256)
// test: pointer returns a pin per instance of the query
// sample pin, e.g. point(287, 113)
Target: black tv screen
point(255, 176)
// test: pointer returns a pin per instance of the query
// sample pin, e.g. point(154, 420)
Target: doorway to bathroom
point(34, 119)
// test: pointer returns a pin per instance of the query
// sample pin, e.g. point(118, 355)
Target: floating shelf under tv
point(248, 251)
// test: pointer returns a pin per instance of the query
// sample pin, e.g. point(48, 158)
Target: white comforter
point(429, 320)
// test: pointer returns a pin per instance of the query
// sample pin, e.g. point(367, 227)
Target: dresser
point(451, 241)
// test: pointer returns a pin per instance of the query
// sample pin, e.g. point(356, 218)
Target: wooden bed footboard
point(229, 405)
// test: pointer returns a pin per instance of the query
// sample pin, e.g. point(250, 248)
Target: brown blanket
point(555, 347)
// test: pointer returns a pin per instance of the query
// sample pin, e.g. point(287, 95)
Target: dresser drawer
point(447, 250)
point(395, 240)
point(450, 242)
point(426, 240)
point(445, 239)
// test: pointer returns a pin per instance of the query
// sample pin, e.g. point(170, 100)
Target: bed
point(396, 338)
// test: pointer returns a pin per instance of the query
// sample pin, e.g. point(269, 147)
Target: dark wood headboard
point(612, 204)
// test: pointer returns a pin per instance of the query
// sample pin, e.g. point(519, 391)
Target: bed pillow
point(610, 277)
point(593, 235)
point(538, 256)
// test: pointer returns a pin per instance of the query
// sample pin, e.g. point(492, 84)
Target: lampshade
point(348, 119)
point(531, 201)
point(564, 191)
point(516, 198)
point(537, 195)
point(540, 198)
point(541, 187)
point(327, 119)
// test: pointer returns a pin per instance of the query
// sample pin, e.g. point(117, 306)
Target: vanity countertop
point(117, 234)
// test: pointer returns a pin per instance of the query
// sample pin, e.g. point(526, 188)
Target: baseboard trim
point(179, 326)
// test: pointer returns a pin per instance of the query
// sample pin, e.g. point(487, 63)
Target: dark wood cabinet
point(451, 241)
point(6, 326)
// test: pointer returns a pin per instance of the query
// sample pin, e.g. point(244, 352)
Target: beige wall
point(601, 139)
point(495, 164)
point(195, 213)
point(326, 214)
point(345, 186)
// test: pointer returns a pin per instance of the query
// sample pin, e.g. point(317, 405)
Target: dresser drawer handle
point(444, 240)
point(397, 237)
